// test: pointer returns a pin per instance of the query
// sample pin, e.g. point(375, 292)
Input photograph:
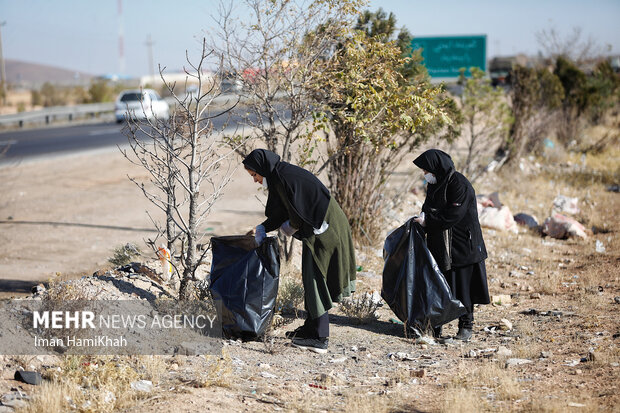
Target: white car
point(140, 104)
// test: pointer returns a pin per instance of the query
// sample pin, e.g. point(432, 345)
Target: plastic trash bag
point(413, 286)
point(245, 278)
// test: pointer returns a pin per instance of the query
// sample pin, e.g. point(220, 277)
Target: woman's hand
point(288, 229)
point(420, 219)
point(259, 234)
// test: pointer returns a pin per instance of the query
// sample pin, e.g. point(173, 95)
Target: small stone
point(504, 352)
point(268, 375)
point(535, 296)
point(264, 366)
point(501, 299)
point(591, 355)
point(545, 354)
point(471, 354)
point(516, 362)
point(338, 360)
point(142, 385)
point(354, 348)
point(617, 300)
point(572, 404)
point(417, 373)
point(578, 371)
point(505, 324)
point(15, 404)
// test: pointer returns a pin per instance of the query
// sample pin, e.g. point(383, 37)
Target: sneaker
point(318, 345)
point(463, 334)
point(299, 332)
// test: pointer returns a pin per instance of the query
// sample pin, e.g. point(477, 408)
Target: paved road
point(28, 144)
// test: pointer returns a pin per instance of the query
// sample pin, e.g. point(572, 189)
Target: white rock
point(505, 324)
point(268, 375)
point(516, 362)
point(338, 360)
point(142, 385)
point(504, 352)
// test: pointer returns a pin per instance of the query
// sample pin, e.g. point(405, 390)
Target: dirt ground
point(65, 215)
point(558, 352)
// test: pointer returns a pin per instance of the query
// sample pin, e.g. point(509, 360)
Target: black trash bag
point(244, 277)
point(413, 286)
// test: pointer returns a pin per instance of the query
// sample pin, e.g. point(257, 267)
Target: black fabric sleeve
point(455, 210)
point(275, 211)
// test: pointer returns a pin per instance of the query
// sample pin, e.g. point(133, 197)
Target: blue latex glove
point(288, 229)
point(260, 234)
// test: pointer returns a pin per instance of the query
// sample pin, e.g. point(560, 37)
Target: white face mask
point(430, 178)
point(265, 183)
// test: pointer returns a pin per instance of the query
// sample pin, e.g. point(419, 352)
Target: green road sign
point(444, 56)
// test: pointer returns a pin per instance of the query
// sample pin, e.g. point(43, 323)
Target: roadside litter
point(493, 214)
point(413, 286)
point(526, 220)
point(566, 205)
point(244, 279)
point(562, 227)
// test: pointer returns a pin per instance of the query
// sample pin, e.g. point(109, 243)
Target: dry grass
point(347, 400)
point(219, 372)
point(290, 295)
point(471, 389)
point(361, 310)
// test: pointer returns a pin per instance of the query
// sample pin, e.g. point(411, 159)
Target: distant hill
point(28, 74)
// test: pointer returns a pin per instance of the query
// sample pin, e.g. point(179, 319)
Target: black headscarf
point(306, 194)
point(439, 164)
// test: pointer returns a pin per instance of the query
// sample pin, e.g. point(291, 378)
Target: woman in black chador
point(450, 218)
point(301, 206)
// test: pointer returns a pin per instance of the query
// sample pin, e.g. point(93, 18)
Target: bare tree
point(572, 46)
point(274, 52)
point(487, 120)
point(187, 165)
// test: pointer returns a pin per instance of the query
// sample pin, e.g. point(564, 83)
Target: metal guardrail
point(70, 113)
point(52, 114)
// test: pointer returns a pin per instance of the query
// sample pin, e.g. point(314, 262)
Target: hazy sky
point(83, 34)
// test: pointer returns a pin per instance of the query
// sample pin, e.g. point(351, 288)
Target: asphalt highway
point(32, 143)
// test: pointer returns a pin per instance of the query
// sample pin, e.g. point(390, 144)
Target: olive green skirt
point(328, 263)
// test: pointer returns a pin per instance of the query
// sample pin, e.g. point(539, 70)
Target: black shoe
point(463, 334)
point(299, 332)
point(437, 332)
point(318, 345)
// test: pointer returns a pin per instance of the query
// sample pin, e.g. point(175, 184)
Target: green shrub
point(123, 255)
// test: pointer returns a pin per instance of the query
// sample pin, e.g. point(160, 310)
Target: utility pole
point(2, 69)
point(149, 44)
point(121, 51)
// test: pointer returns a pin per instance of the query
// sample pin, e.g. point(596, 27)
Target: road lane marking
point(103, 132)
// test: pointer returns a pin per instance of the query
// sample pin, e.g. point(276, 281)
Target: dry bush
point(219, 372)
point(50, 397)
point(124, 254)
point(347, 400)
point(290, 296)
point(361, 310)
point(462, 400)
point(471, 386)
point(89, 383)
